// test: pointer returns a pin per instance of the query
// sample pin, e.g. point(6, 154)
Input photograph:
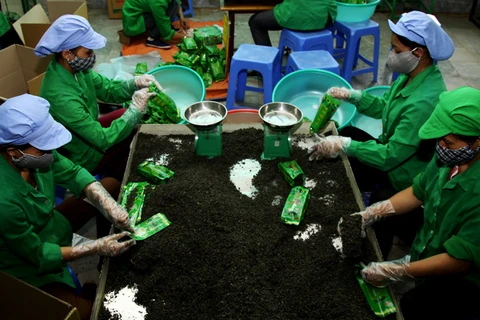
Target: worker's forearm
point(67, 254)
point(440, 264)
point(180, 13)
point(405, 201)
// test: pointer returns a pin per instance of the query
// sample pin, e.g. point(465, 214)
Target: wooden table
point(234, 7)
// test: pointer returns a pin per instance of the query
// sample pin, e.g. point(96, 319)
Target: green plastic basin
point(368, 124)
point(305, 88)
point(182, 84)
point(347, 12)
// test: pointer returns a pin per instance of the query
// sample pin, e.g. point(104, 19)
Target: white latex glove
point(352, 96)
point(329, 147)
point(140, 99)
point(104, 202)
point(376, 212)
point(106, 246)
point(381, 274)
point(144, 81)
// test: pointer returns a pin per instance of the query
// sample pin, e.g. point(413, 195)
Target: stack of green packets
point(148, 227)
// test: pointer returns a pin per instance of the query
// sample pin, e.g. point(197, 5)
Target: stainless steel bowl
point(280, 115)
point(205, 113)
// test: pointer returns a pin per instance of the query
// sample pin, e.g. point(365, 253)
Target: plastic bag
point(208, 35)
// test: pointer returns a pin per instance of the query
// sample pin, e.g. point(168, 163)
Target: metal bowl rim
point(205, 125)
point(284, 103)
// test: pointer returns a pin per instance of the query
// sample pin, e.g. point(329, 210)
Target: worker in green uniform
point(301, 15)
point(36, 237)
point(388, 163)
point(154, 16)
point(8, 35)
point(99, 144)
point(445, 257)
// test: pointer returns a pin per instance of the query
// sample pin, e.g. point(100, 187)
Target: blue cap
point(26, 120)
point(68, 32)
point(418, 27)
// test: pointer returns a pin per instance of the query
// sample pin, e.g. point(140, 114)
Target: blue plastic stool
point(265, 60)
point(351, 33)
point(306, 40)
point(76, 282)
point(189, 11)
point(316, 59)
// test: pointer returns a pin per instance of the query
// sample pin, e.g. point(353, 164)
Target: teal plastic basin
point(182, 84)
point(368, 124)
point(305, 88)
point(347, 12)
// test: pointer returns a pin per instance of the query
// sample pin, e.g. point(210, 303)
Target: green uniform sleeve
point(112, 90)
point(69, 175)
point(401, 146)
point(460, 248)
point(4, 25)
point(419, 185)
point(371, 105)
point(20, 237)
point(81, 123)
point(162, 20)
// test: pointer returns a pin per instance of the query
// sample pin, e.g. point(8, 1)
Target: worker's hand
point(350, 95)
point(144, 81)
point(104, 202)
point(184, 24)
point(376, 212)
point(363, 234)
point(329, 147)
point(381, 274)
point(107, 246)
point(176, 38)
point(140, 99)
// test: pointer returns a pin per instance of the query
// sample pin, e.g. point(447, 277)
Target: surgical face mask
point(82, 64)
point(403, 62)
point(29, 161)
point(454, 157)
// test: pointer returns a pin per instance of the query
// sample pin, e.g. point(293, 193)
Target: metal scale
point(279, 118)
point(205, 117)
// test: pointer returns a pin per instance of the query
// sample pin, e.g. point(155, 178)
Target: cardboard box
point(115, 8)
point(33, 24)
point(21, 72)
point(21, 301)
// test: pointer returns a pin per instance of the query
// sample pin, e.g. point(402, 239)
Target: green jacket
point(134, 23)
point(31, 231)
point(74, 104)
point(451, 216)
point(403, 111)
point(4, 25)
point(305, 14)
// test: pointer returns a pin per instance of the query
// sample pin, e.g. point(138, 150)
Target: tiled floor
point(462, 69)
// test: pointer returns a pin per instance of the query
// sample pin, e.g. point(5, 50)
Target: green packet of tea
point(379, 299)
point(327, 108)
point(150, 226)
point(135, 211)
point(163, 104)
point(141, 68)
point(155, 173)
point(292, 173)
point(295, 206)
